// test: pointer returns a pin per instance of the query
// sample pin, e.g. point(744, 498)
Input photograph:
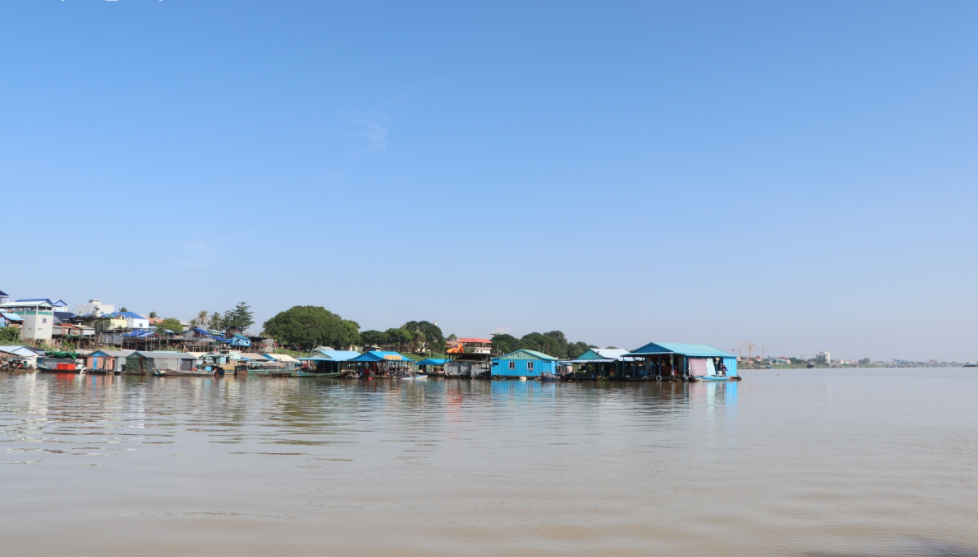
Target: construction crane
point(750, 349)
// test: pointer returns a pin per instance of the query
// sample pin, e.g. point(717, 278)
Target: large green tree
point(171, 324)
point(434, 339)
point(504, 344)
point(398, 339)
point(307, 327)
point(373, 338)
point(239, 318)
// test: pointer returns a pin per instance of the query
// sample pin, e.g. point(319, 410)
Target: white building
point(94, 307)
point(823, 357)
point(56, 305)
point(133, 320)
point(38, 318)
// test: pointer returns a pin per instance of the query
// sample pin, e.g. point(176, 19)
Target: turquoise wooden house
point(524, 363)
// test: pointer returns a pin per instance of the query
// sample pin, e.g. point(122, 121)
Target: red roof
point(485, 340)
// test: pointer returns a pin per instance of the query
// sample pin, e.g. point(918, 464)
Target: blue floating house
point(524, 363)
point(325, 360)
point(667, 360)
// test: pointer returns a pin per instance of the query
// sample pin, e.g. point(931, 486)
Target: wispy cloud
point(374, 133)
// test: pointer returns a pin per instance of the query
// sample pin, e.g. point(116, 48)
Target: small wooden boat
point(548, 378)
point(415, 377)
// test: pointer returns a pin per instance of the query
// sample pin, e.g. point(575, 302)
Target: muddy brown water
point(803, 462)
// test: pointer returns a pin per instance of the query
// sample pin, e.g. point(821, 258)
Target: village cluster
point(95, 338)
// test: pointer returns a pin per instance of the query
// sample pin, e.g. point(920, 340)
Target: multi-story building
point(823, 357)
point(94, 307)
point(38, 318)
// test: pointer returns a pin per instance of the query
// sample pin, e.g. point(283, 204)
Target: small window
point(512, 365)
point(529, 366)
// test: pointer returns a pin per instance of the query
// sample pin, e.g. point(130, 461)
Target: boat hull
point(299, 373)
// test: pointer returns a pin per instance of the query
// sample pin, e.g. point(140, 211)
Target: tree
point(865, 361)
point(216, 322)
point(239, 318)
point(373, 338)
point(201, 319)
point(9, 335)
point(434, 339)
point(452, 337)
point(152, 315)
point(575, 349)
point(123, 309)
point(171, 324)
point(504, 344)
point(398, 339)
point(307, 327)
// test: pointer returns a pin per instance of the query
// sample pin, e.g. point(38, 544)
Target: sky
point(800, 175)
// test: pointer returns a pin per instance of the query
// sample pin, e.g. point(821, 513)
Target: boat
point(415, 377)
point(196, 372)
point(262, 367)
point(60, 365)
point(306, 373)
point(549, 378)
point(971, 364)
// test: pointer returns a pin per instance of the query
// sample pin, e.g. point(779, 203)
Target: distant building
point(56, 305)
point(3, 297)
point(94, 307)
point(823, 358)
point(133, 320)
point(38, 316)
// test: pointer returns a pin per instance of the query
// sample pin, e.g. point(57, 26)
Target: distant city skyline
point(802, 176)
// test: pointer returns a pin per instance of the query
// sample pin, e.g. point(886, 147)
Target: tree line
point(306, 327)
point(554, 343)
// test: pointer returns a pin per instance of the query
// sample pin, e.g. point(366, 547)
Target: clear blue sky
point(800, 174)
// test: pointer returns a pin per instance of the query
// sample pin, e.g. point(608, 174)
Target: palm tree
point(201, 318)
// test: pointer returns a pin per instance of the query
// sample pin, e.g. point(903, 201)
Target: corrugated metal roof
point(696, 350)
point(59, 303)
point(129, 314)
point(11, 316)
point(431, 362)
point(12, 305)
point(113, 353)
point(524, 354)
point(603, 354)
point(3, 294)
point(161, 354)
point(21, 350)
point(283, 357)
point(379, 356)
point(333, 355)
point(485, 340)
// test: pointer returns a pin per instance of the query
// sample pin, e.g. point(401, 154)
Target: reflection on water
point(821, 463)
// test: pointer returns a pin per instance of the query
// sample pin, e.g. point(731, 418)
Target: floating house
point(524, 363)
point(25, 353)
point(327, 360)
point(469, 358)
point(107, 361)
point(668, 360)
point(147, 363)
point(380, 362)
point(430, 365)
point(602, 362)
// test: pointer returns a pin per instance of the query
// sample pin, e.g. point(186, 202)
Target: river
point(791, 462)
